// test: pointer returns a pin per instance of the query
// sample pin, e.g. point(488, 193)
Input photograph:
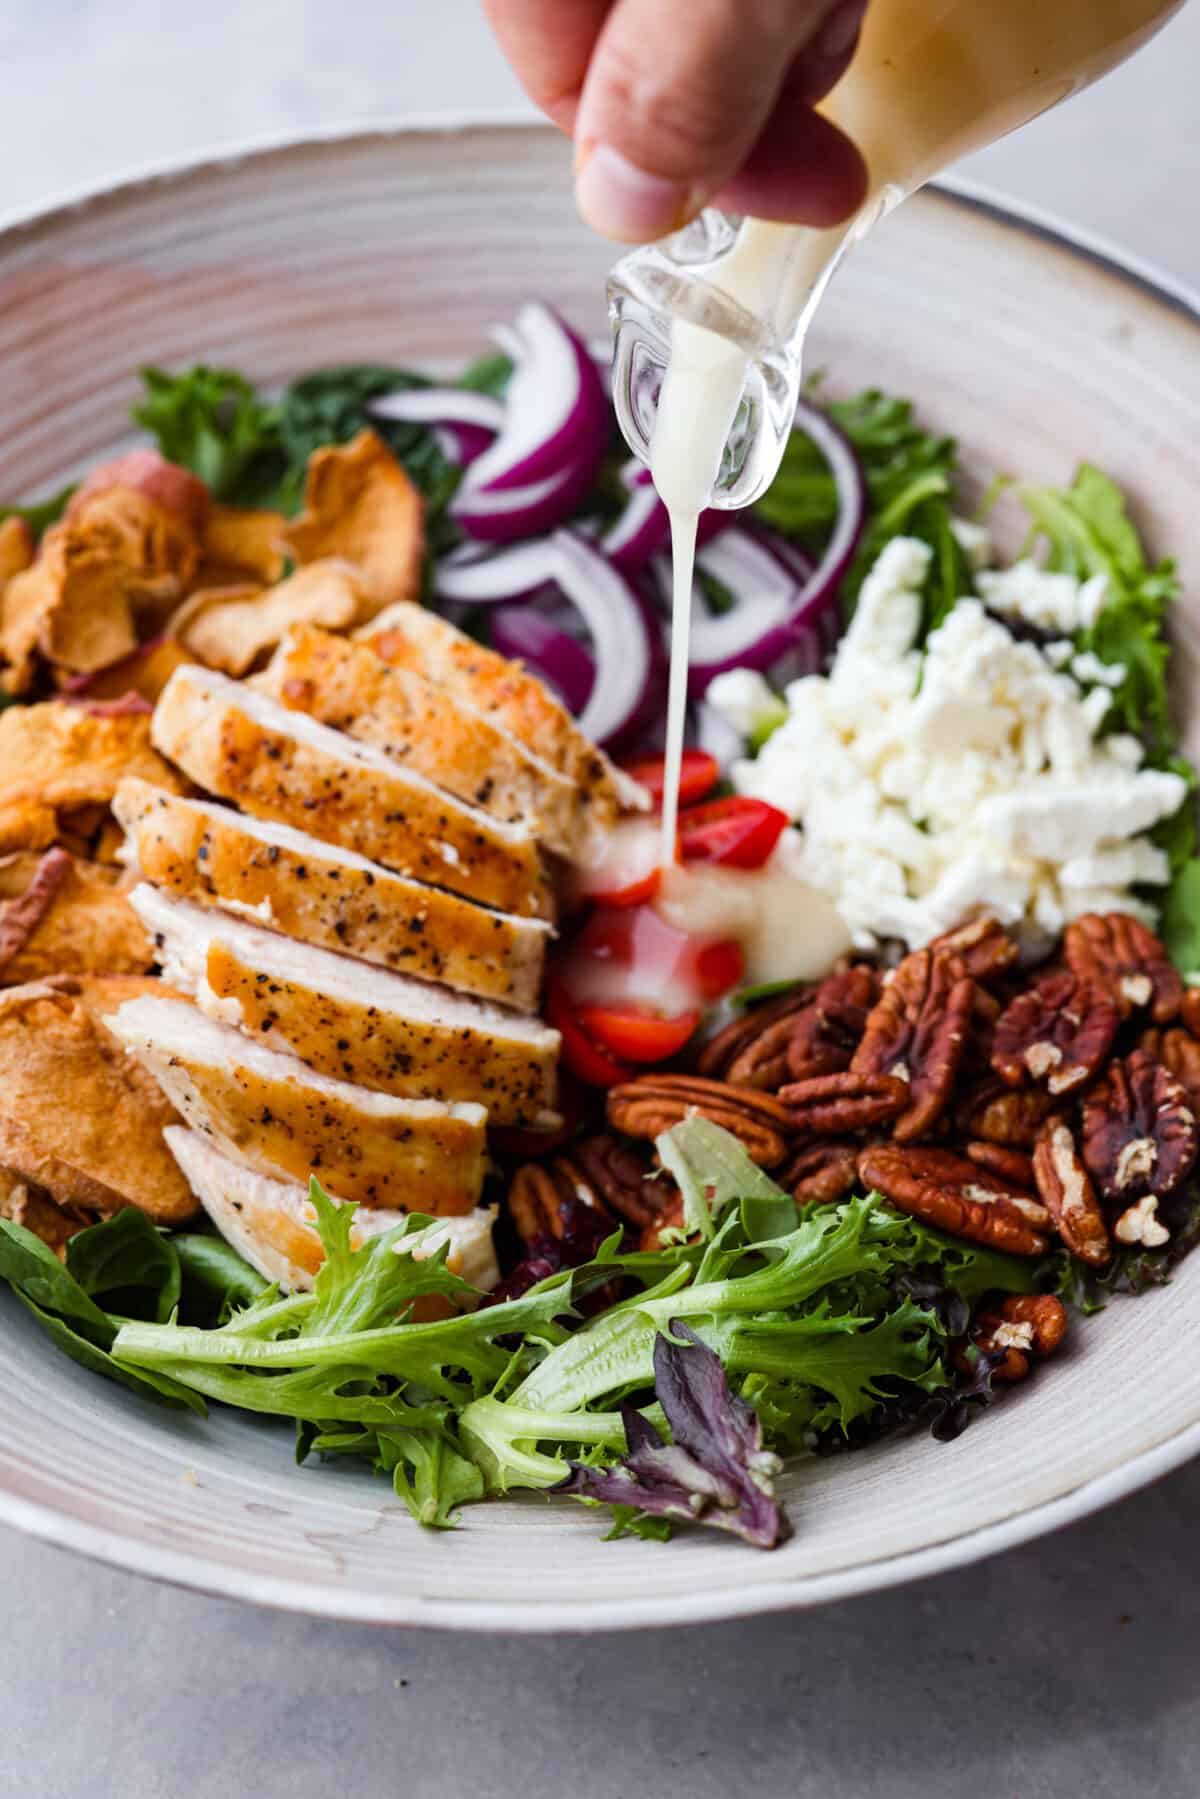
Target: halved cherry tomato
point(737, 832)
point(698, 775)
point(629, 871)
point(720, 967)
point(636, 1033)
point(587, 1060)
point(632, 959)
point(637, 893)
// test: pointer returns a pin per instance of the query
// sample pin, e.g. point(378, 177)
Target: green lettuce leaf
point(1181, 921)
point(128, 1262)
point(1086, 531)
point(72, 1319)
point(910, 477)
point(213, 422)
point(713, 1171)
point(215, 1279)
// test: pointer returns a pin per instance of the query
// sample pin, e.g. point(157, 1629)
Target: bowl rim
point(206, 1574)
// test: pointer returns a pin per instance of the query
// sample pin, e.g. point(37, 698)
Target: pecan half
point(561, 1224)
point(1068, 1194)
point(620, 1177)
point(1010, 1165)
point(1178, 1051)
point(845, 1103)
point(669, 1219)
point(1118, 951)
point(1139, 1131)
point(646, 1107)
point(1189, 1010)
point(954, 1195)
point(996, 1114)
point(823, 1172)
point(536, 1198)
point(1020, 1326)
point(763, 1062)
point(1059, 1034)
point(827, 1034)
point(982, 948)
point(918, 1033)
point(719, 1052)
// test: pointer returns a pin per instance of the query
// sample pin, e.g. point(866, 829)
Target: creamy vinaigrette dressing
point(931, 80)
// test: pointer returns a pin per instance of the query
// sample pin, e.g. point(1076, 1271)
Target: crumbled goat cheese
point(746, 700)
point(1088, 668)
point(1047, 601)
point(970, 778)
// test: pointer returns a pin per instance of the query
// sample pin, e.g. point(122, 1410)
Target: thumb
point(677, 93)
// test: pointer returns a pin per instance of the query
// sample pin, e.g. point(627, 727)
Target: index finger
point(549, 45)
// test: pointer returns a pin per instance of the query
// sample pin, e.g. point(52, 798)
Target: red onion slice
point(441, 406)
point(526, 635)
point(643, 528)
point(626, 642)
point(639, 532)
point(508, 574)
point(501, 515)
point(555, 409)
point(779, 613)
point(464, 424)
point(461, 443)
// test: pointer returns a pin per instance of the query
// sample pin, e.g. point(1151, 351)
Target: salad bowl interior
point(1034, 351)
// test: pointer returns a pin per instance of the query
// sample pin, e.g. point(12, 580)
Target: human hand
point(679, 104)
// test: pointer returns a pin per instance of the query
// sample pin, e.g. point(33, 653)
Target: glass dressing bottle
point(709, 325)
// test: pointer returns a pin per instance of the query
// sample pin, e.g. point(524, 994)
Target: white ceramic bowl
point(1034, 351)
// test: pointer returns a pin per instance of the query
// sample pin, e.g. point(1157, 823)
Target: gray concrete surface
point(1069, 1668)
point(1064, 1670)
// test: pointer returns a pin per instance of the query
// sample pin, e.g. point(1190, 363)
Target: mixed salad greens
point(664, 1384)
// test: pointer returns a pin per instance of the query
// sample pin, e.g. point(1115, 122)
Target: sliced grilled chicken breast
point(286, 767)
point(269, 1222)
point(330, 897)
point(409, 636)
point(270, 1112)
point(348, 687)
point(352, 1021)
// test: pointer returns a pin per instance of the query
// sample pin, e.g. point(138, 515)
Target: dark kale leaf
point(331, 406)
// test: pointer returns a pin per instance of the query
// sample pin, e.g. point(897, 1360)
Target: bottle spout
point(715, 319)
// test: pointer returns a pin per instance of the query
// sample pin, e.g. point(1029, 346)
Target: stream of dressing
point(786, 929)
point(700, 394)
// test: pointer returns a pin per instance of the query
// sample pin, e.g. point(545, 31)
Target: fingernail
point(840, 29)
point(620, 200)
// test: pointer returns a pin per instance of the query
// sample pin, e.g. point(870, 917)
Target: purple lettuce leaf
point(714, 1471)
